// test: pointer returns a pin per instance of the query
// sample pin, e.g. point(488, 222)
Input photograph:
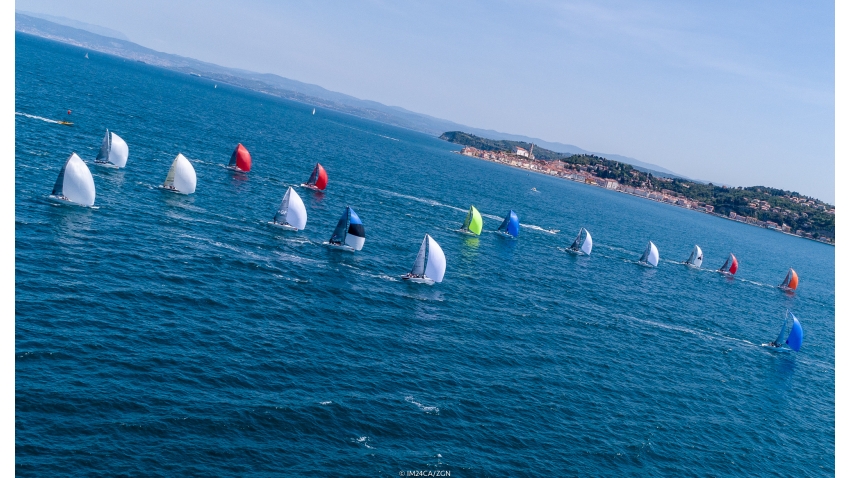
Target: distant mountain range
point(105, 40)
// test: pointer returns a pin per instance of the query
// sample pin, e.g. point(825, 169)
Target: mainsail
point(349, 230)
point(292, 210)
point(181, 176)
point(791, 280)
point(695, 258)
point(510, 225)
point(240, 159)
point(583, 242)
point(650, 255)
point(113, 150)
point(318, 178)
point(419, 264)
point(730, 266)
point(473, 222)
point(75, 182)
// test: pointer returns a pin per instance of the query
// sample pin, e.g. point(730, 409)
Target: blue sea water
point(162, 334)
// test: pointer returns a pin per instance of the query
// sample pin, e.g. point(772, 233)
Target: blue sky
point(736, 92)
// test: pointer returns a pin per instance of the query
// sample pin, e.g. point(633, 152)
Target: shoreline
point(647, 198)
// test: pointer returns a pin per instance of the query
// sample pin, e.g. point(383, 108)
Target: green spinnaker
point(475, 222)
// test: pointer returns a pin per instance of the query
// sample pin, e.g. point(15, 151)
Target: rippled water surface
point(181, 335)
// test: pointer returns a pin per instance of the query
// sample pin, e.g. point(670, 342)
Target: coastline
point(643, 197)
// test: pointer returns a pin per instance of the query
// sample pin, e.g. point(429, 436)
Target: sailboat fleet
point(75, 186)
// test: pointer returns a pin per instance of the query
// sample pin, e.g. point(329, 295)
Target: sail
point(75, 182)
point(650, 254)
point(280, 215)
point(341, 229)
point(436, 268)
point(577, 242)
point(795, 338)
point(510, 225)
point(731, 265)
point(473, 222)
point(318, 178)
point(103, 154)
point(695, 259)
point(587, 245)
point(419, 263)
point(240, 159)
point(356, 232)
point(790, 281)
point(781, 331)
point(181, 176)
point(296, 214)
point(118, 151)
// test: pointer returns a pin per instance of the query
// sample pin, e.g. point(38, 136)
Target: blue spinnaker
point(511, 224)
point(795, 338)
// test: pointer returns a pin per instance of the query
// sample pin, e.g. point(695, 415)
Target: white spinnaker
point(696, 257)
point(78, 184)
point(296, 213)
point(181, 175)
point(435, 269)
point(587, 245)
point(118, 151)
point(356, 242)
point(652, 258)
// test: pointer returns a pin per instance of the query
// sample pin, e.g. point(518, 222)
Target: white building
point(521, 152)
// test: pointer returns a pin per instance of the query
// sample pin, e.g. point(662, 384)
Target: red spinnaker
point(240, 159)
point(322, 180)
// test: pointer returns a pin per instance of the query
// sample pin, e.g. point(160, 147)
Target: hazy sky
point(737, 92)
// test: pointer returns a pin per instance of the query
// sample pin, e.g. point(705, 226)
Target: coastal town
point(590, 174)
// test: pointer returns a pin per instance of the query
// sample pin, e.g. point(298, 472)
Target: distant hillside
point(761, 203)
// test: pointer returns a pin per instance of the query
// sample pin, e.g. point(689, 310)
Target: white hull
point(692, 266)
point(310, 186)
point(505, 235)
point(645, 264)
point(106, 164)
point(285, 227)
point(171, 190)
point(574, 252)
point(467, 233)
point(418, 280)
point(64, 200)
point(339, 247)
point(235, 169)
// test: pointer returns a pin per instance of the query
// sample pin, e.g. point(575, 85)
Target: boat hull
point(339, 247)
point(310, 186)
point(505, 235)
point(65, 201)
point(285, 227)
point(171, 190)
point(106, 164)
point(575, 252)
point(467, 233)
point(418, 280)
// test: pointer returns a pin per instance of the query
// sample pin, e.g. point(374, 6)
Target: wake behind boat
point(113, 151)
point(430, 264)
point(582, 244)
point(510, 226)
point(650, 256)
point(318, 179)
point(181, 176)
point(473, 223)
point(349, 234)
point(291, 215)
point(75, 184)
point(240, 159)
point(695, 259)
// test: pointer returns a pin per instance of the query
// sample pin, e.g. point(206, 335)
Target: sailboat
point(75, 184)
point(314, 110)
point(113, 151)
point(790, 282)
point(730, 267)
point(795, 336)
point(510, 226)
point(318, 179)
point(430, 269)
point(291, 215)
point(650, 255)
point(181, 177)
point(473, 223)
point(583, 243)
point(695, 259)
point(87, 55)
point(349, 234)
point(240, 160)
